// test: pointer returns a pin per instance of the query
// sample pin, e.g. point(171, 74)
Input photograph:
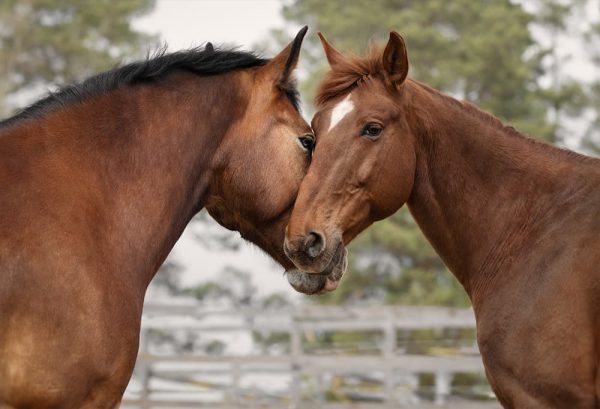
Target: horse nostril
point(314, 244)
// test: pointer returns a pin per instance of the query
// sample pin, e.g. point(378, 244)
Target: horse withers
point(516, 220)
point(98, 182)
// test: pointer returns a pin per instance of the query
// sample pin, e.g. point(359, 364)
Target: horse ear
point(334, 57)
point(283, 64)
point(395, 59)
point(209, 47)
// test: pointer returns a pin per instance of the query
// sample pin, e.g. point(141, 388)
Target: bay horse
point(98, 182)
point(517, 221)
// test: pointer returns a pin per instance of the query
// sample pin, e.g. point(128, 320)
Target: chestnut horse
point(516, 220)
point(98, 182)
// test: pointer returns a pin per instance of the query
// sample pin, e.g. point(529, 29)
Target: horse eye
point(372, 131)
point(307, 142)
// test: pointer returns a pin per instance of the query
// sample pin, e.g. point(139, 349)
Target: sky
point(185, 23)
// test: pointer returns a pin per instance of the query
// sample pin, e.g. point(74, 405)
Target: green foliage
point(475, 50)
point(206, 290)
point(61, 41)
point(472, 386)
point(269, 341)
point(562, 97)
point(446, 342)
point(215, 347)
point(591, 141)
point(234, 286)
point(168, 277)
point(343, 342)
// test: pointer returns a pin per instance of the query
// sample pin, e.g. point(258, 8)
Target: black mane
point(202, 61)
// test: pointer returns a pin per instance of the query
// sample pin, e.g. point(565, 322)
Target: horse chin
point(321, 283)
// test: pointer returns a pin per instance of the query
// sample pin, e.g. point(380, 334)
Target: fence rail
point(391, 372)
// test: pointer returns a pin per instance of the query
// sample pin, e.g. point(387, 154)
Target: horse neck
point(482, 192)
point(148, 152)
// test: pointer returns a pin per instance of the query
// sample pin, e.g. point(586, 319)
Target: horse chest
point(538, 346)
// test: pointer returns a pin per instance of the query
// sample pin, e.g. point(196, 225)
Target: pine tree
point(56, 42)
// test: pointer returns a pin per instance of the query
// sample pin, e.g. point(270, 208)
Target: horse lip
point(329, 278)
point(334, 277)
point(338, 254)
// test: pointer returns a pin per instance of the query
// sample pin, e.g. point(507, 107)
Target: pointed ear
point(395, 59)
point(334, 57)
point(281, 67)
point(209, 47)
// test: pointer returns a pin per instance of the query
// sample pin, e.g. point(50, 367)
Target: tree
point(234, 287)
point(591, 140)
point(473, 50)
point(482, 51)
point(168, 278)
point(563, 96)
point(61, 41)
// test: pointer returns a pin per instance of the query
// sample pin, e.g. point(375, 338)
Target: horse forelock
point(348, 74)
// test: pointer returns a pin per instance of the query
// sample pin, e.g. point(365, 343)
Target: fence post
point(442, 387)
point(389, 350)
point(296, 354)
point(413, 384)
point(144, 366)
point(235, 395)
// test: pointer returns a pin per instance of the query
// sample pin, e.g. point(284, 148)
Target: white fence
point(295, 373)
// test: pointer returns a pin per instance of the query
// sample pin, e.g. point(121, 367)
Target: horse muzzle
point(324, 282)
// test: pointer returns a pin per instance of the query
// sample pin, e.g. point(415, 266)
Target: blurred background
point(222, 327)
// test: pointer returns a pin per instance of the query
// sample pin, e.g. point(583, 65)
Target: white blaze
point(340, 111)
